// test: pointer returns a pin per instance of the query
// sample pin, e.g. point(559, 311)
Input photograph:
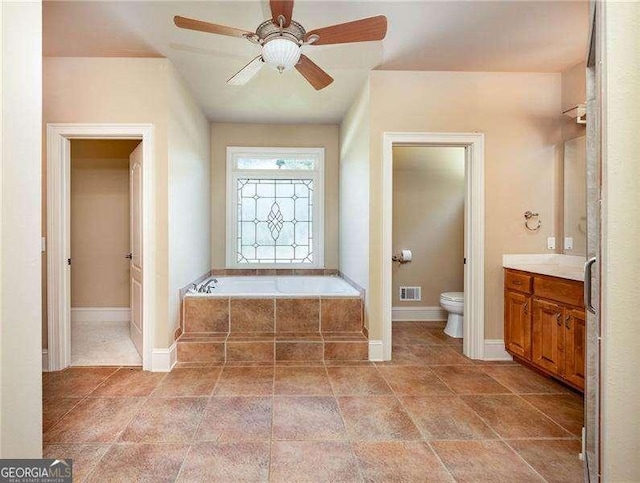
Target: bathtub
point(278, 287)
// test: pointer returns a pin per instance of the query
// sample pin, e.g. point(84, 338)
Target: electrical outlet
point(568, 243)
point(551, 243)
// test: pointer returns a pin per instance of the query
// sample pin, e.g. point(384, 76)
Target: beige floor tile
point(302, 381)
point(399, 461)
point(380, 418)
point(446, 418)
point(307, 418)
point(413, 380)
point(557, 461)
point(245, 381)
point(313, 461)
point(469, 380)
point(74, 381)
point(165, 420)
point(94, 420)
point(523, 380)
point(426, 355)
point(565, 409)
point(85, 456)
point(54, 409)
point(226, 462)
point(128, 381)
point(236, 418)
point(193, 382)
point(140, 463)
point(484, 462)
point(512, 417)
point(353, 380)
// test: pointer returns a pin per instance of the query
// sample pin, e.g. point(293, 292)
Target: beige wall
point(127, 90)
point(20, 211)
point(354, 191)
point(574, 92)
point(273, 135)
point(428, 219)
point(100, 222)
point(620, 392)
point(519, 115)
point(189, 193)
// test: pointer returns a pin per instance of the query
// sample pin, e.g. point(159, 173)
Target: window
point(275, 212)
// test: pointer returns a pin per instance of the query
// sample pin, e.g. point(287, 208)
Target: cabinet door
point(574, 365)
point(547, 339)
point(517, 319)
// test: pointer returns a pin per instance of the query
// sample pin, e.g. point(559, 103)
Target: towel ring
point(527, 216)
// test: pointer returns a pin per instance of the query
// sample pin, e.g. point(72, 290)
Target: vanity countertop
point(555, 265)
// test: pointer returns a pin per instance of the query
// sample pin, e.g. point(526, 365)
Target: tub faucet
point(206, 287)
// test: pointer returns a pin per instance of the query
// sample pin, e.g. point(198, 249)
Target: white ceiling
point(518, 36)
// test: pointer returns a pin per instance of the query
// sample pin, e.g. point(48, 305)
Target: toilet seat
point(453, 296)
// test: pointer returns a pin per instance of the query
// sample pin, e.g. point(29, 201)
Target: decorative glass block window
point(275, 211)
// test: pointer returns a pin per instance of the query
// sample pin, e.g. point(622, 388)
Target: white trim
point(100, 314)
point(494, 350)
point(45, 360)
point(418, 313)
point(375, 350)
point(163, 360)
point(316, 174)
point(473, 345)
point(58, 232)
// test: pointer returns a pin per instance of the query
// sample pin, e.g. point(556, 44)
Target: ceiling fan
point(282, 38)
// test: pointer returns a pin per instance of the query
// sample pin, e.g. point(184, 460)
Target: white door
point(135, 256)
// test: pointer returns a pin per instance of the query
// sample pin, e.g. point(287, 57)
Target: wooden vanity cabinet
point(545, 324)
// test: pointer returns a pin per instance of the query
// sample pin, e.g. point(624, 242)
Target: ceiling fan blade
point(247, 73)
point(364, 30)
point(318, 78)
point(281, 7)
point(212, 28)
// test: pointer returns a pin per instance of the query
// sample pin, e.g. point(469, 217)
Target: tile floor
point(102, 344)
point(429, 415)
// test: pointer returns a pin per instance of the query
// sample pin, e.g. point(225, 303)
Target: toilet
point(453, 303)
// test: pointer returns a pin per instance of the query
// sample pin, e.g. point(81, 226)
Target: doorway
point(428, 239)
point(65, 289)
point(103, 332)
point(473, 254)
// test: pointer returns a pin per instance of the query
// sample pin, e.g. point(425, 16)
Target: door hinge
point(464, 260)
point(69, 261)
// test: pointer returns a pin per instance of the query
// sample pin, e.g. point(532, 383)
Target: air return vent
point(410, 293)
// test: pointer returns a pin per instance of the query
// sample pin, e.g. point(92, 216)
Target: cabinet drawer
point(517, 281)
point(565, 291)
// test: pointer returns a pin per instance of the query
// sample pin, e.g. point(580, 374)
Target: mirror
point(575, 202)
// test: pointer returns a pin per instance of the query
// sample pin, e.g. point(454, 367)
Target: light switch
point(568, 243)
point(551, 243)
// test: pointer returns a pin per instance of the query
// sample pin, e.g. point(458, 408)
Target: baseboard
point(418, 313)
point(375, 350)
point(45, 360)
point(494, 350)
point(100, 314)
point(163, 360)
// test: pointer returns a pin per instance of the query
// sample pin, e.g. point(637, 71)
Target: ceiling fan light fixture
point(281, 53)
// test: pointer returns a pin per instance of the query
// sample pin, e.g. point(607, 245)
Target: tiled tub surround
point(267, 329)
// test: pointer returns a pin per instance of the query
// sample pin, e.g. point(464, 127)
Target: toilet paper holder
point(403, 257)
